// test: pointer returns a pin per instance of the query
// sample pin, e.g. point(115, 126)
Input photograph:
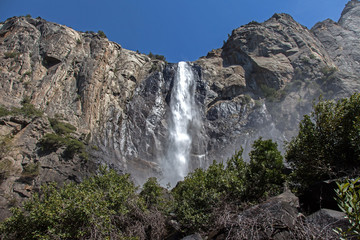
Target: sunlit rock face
point(260, 83)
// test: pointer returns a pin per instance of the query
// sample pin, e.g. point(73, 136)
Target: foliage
point(202, 192)
point(30, 170)
point(4, 111)
point(156, 56)
point(105, 206)
point(61, 127)
point(328, 143)
point(195, 198)
point(272, 94)
point(27, 110)
point(348, 198)
point(51, 142)
point(13, 54)
point(62, 137)
point(268, 91)
point(247, 98)
point(152, 193)
point(265, 170)
point(6, 166)
point(328, 70)
point(101, 34)
point(74, 146)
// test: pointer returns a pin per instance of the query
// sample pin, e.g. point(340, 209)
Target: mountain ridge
point(260, 83)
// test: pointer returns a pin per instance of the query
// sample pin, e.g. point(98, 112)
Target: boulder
point(195, 236)
point(328, 218)
point(278, 218)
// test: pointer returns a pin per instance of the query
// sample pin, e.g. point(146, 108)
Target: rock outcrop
point(278, 218)
point(24, 167)
point(260, 83)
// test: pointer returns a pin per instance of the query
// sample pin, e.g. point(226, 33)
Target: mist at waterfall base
point(183, 116)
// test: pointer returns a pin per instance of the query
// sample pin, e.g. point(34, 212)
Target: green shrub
point(105, 206)
point(305, 60)
point(94, 147)
point(348, 198)
point(156, 56)
point(203, 192)
point(151, 55)
point(268, 91)
point(195, 199)
point(12, 54)
point(28, 110)
point(5, 145)
point(154, 195)
point(60, 127)
point(30, 170)
point(51, 142)
point(74, 146)
point(28, 73)
point(328, 143)
point(328, 70)
point(4, 111)
point(265, 170)
point(6, 167)
point(247, 98)
point(62, 137)
point(101, 34)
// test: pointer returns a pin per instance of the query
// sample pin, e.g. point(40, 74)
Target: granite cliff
point(260, 83)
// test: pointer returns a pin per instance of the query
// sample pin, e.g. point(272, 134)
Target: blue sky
point(180, 30)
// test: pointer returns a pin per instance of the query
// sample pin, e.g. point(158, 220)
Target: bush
point(101, 34)
point(265, 170)
point(152, 192)
point(105, 206)
point(328, 70)
point(74, 146)
point(328, 143)
point(4, 111)
point(61, 137)
point(61, 128)
point(195, 199)
point(203, 192)
point(28, 110)
point(6, 167)
point(5, 145)
point(13, 54)
point(269, 92)
point(156, 56)
point(30, 170)
point(51, 142)
point(348, 198)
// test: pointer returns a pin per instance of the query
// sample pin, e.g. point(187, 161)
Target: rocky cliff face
point(266, 76)
point(260, 83)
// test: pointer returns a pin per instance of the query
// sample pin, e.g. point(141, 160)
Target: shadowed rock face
point(260, 83)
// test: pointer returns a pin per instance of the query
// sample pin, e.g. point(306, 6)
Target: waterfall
point(182, 115)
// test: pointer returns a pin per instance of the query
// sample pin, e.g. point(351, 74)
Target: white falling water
point(183, 112)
